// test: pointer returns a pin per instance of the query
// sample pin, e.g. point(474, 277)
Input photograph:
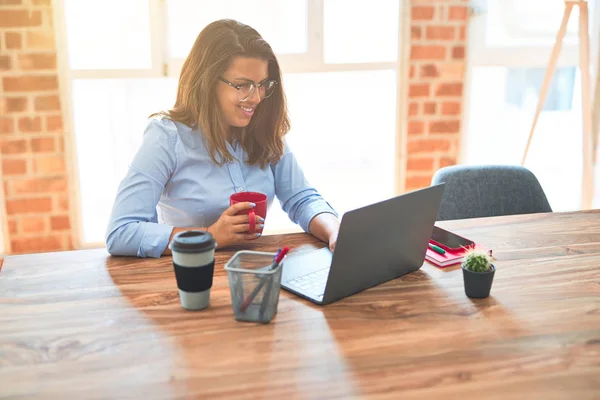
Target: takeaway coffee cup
point(194, 263)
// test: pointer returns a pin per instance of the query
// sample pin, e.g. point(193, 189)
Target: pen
point(437, 249)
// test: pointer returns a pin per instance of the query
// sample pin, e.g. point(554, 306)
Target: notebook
point(447, 259)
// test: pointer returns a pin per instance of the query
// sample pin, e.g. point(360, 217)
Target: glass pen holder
point(254, 285)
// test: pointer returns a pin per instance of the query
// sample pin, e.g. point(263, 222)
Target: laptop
point(375, 244)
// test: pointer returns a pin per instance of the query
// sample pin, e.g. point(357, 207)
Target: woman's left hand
point(333, 241)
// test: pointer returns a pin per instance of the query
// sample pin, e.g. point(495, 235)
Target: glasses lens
point(245, 91)
point(269, 88)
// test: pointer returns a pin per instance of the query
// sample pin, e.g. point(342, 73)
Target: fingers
point(243, 219)
point(239, 228)
point(237, 207)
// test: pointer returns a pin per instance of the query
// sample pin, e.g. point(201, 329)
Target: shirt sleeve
point(133, 228)
point(298, 198)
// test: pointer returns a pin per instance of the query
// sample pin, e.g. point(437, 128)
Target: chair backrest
point(488, 191)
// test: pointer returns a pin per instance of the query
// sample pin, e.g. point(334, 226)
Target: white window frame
point(4, 234)
point(163, 66)
point(525, 56)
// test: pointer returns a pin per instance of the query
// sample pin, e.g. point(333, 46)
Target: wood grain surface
point(83, 324)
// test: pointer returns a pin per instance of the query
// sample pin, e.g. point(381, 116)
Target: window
point(510, 45)
point(340, 82)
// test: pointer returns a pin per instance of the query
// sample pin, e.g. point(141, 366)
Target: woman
point(225, 134)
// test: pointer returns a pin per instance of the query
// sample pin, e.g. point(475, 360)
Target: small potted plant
point(478, 273)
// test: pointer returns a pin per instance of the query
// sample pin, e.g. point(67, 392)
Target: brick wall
point(33, 166)
point(437, 67)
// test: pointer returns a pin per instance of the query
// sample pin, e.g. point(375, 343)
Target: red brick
point(447, 161)
point(42, 2)
point(418, 90)
point(19, 18)
point(444, 126)
point(25, 206)
point(417, 182)
point(40, 40)
point(54, 123)
point(36, 244)
point(13, 40)
point(423, 13)
point(427, 145)
point(30, 224)
point(420, 164)
point(5, 63)
point(449, 89)
point(6, 125)
point(14, 146)
point(458, 52)
point(60, 223)
point(28, 124)
point(47, 103)
point(49, 164)
point(41, 145)
point(16, 104)
point(37, 61)
point(440, 32)
point(30, 83)
point(12, 226)
point(39, 185)
point(429, 71)
point(427, 52)
point(415, 32)
point(458, 13)
point(415, 127)
point(451, 108)
point(429, 108)
point(413, 108)
point(411, 73)
point(62, 203)
point(462, 33)
point(10, 2)
point(14, 167)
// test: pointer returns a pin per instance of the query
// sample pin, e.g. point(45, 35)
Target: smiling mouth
point(247, 109)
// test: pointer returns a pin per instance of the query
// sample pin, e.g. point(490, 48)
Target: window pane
point(110, 116)
point(281, 23)
point(519, 22)
point(499, 126)
point(93, 45)
point(361, 31)
point(343, 135)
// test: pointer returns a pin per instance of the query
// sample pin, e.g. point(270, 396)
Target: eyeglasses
point(245, 91)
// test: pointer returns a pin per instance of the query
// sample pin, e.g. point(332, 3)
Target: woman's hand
point(325, 226)
point(231, 229)
point(333, 240)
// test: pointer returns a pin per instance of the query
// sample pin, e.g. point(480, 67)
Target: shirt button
point(240, 189)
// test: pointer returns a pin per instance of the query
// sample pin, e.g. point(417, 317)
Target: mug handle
point(251, 220)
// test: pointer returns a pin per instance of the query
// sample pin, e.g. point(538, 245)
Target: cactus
point(478, 261)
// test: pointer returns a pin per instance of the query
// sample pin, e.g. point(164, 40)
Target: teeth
point(247, 109)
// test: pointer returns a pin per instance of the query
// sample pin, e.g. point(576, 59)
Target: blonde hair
point(196, 104)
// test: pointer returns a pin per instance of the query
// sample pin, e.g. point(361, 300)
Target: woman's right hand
point(231, 229)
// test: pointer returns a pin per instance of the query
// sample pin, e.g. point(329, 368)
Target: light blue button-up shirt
point(172, 182)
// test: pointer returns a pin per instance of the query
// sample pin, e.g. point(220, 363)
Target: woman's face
point(242, 71)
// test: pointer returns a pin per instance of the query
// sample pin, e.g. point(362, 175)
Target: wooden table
point(83, 324)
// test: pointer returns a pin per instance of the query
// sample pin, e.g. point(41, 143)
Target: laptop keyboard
point(314, 282)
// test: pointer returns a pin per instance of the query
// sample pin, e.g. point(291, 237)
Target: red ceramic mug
point(257, 198)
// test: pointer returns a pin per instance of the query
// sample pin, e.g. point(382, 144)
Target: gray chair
point(488, 191)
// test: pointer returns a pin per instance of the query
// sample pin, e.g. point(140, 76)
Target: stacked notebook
point(444, 260)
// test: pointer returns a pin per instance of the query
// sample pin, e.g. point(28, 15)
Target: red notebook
point(445, 260)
